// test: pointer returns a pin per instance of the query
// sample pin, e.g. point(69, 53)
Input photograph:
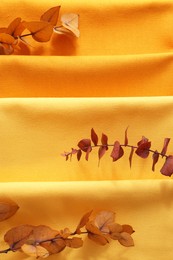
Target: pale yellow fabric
point(117, 74)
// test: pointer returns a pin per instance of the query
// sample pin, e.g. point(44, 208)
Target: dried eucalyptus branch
point(142, 149)
point(42, 241)
point(41, 31)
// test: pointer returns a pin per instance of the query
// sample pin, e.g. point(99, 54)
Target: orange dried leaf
point(54, 247)
point(18, 236)
point(91, 227)
point(99, 239)
point(126, 239)
point(6, 38)
point(128, 229)
point(65, 233)
point(41, 233)
point(3, 30)
point(51, 15)
point(74, 242)
point(94, 137)
point(103, 220)
point(41, 31)
point(35, 251)
point(7, 209)
point(83, 222)
point(13, 28)
point(115, 228)
point(167, 168)
point(117, 151)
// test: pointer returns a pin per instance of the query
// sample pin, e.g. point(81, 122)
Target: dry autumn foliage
point(142, 149)
point(41, 30)
point(42, 241)
point(7, 209)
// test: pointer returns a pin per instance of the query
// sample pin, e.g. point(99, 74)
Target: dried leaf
point(115, 228)
point(165, 146)
point(6, 38)
point(83, 222)
point(51, 15)
point(101, 151)
point(155, 159)
point(94, 137)
point(79, 154)
point(104, 141)
point(74, 242)
point(18, 236)
point(3, 30)
point(41, 233)
point(99, 239)
point(84, 144)
point(131, 156)
point(128, 229)
point(126, 239)
point(103, 220)
point(41, 31)
point(35, 251)
point(117, 151)
point(126, 138)
point(143, 148)
point(65, 233)
point(55, 246)
point(88, 152)
point(167, 168)
point(7, 209)
point(15, 28)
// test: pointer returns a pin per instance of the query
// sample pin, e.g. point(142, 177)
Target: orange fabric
point(117, 74)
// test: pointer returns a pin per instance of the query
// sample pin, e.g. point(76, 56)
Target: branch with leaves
point(142, 149)
point(43, 241)
point(41, 30)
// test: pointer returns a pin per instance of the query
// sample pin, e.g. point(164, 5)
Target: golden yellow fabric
point(117, 74)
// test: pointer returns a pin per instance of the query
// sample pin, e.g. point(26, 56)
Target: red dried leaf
point(104, 141)
point(167, 168)
point(131, 156)
point(84, 144)
point(94, 137)
point(143, 148)
point(79, 154)
point(88, 152)
point(117, 151)
point(101, 151)
point(83, 222)
point(165, 146)
point(155, 159)
point(41, 31)
point(51, 15)
point(126, 138)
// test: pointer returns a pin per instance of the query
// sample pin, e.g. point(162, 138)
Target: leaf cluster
point(42, 241)
point(142, 149)
point(41, 30)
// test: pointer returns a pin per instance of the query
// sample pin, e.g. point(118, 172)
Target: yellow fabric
point(117, 74)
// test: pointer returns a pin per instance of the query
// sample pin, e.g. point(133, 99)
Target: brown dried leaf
point(7, 209)
point(115, 228)
point(103, 220)
point(65, 233)
point(131, 156)
point(117, 151)
point(126, 239)
point(6, 38)
point(126, 138)
point(128, 229)
point(54, 247)
point(94, 137)
point(91, 227)
point(83, 222)
point(35, 251)
point(165, 146)
point(167, 168)
point(99, 239)
point(18, 236)
point(41, 31)
point(155, 159)
point(41, 233)
point(74, 242)
point(51, 15)
point(84, 144)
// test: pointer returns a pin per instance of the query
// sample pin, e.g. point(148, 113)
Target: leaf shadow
point(63, 45)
